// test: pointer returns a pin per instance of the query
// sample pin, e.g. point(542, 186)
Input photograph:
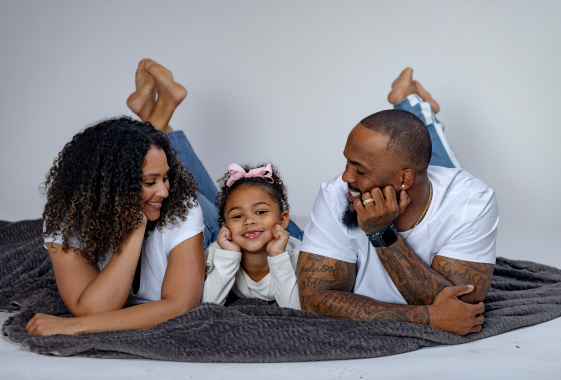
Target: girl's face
point(155, 184)
point(250, 215)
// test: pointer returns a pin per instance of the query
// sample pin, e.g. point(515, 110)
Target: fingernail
point(470, 286)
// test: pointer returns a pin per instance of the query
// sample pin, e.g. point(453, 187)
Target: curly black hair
point(276, 190)
point(94, 189)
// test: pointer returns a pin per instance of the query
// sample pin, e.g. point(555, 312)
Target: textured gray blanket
point(522, 294)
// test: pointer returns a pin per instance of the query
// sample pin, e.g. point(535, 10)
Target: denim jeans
point(442, 153)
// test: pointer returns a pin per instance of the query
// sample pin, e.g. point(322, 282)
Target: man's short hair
point(409, 141)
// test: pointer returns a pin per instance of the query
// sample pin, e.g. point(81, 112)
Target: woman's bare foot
point(404, 86)
point(170, 95)
point(426, 96)
point(143, 100)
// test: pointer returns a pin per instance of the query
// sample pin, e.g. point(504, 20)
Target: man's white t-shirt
point(461, 223)
point(154, 254)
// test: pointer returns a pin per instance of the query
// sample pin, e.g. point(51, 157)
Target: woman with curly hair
point(123, 228)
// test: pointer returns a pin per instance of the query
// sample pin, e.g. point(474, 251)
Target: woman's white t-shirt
point(154, 254)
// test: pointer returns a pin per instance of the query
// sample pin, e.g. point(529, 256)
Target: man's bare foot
point(426, 96)
point(143, 100)
point(402, 87)
point(170, 95)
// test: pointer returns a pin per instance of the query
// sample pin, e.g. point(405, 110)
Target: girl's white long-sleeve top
point(224, 274)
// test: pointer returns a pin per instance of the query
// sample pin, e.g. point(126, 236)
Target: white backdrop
point(286, 81)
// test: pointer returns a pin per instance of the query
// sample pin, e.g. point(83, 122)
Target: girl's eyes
point(260, 212)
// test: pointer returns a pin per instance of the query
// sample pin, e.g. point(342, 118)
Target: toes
point(426, 96)
point(405, 75)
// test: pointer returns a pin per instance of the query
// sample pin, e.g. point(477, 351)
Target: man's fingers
point(404, 201)
point(479, 308)
point(458, 290)
point(479, 319)
point(476, 329)
point(366, 195)
point(359, 207)
point(377, 195)
point(389, 194)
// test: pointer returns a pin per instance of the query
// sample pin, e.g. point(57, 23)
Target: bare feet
point(143, 100)
point(170, 95)
point(425, 95)
point(404, 86)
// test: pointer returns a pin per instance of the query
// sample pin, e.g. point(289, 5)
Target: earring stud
point(402, 185)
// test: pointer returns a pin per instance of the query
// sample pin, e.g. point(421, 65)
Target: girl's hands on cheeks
point(225, 242)
point(44, 324)
point(277, 246)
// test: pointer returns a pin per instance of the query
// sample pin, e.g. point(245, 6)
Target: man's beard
point(350, 218)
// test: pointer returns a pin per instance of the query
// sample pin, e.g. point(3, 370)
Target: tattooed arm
point(419, 284)
point(416, 281)
point(461, 272)
point(325, 287)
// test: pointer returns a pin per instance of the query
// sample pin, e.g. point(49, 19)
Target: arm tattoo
point(461, 272)
point(415, 280)
point(325, 286)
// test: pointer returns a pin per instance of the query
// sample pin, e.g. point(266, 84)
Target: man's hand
point(277, 246)
point(450, 314)
point(44, 324)
point(225, 241)
point(382, 211)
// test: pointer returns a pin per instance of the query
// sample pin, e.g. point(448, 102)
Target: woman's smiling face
point(250, 214)
point(155, 184)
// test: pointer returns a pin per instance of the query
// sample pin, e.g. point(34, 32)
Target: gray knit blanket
point(522, 294)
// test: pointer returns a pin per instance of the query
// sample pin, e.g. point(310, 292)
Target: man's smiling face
point(369, 165)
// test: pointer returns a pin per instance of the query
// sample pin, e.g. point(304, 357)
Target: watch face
point(389, 237)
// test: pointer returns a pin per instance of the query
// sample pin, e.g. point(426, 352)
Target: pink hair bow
point(237, 172)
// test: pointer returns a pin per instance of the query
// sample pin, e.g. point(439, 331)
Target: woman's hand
point(277, 246)
point(44, 324)
point(225, 242)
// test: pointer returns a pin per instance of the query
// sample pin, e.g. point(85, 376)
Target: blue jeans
point(207, 189)
point(442, 153)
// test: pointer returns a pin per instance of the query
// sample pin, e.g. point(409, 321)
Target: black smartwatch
point(386, 238)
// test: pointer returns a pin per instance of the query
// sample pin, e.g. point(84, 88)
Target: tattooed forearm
point(325, 288)
point(349, 306)
point(415, 280)
point(317, 273)
point(461, 272)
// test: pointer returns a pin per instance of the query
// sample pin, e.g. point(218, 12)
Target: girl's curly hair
point(276, 190)
point(94, 189)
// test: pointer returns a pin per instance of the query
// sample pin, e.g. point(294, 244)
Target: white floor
point(528, 353)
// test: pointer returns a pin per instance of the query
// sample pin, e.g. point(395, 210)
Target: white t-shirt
point(224, 274)
point(461, 223)
point(154, 254)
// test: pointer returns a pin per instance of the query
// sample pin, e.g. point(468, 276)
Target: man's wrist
point(377, 234)
point(385, 237)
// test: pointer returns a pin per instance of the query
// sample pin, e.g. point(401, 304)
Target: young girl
point(253, 256)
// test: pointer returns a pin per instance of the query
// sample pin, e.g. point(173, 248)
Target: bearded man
point(393, 238)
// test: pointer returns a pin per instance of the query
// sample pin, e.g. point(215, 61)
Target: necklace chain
point(250, 292)
point(424, 212)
